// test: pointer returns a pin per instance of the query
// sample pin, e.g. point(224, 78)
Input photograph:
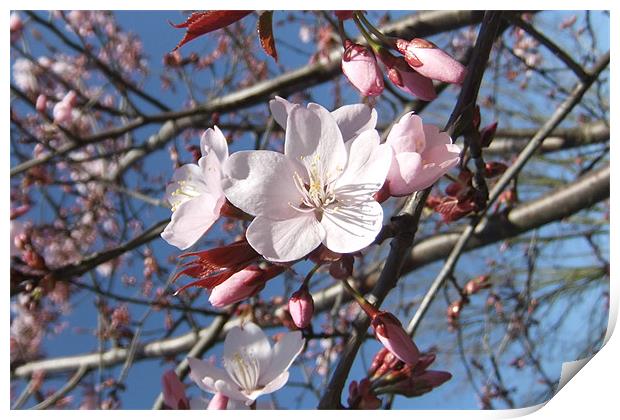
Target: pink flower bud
point(389, 331)
point(242, 285)
point(41, 104)
point(174, 391)
point(428, 60)
point(406, 79)
point(301, 307)
point(359, 65)
point(218, 402)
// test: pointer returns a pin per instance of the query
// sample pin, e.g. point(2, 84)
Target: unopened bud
point(301, 307)
point(428, 60)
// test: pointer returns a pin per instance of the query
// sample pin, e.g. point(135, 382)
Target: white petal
point(192, 219)
point(205, 374)
point(285, 240)
point(273, 386)
point(354, 119)
point(262, 183)
point(284, 353)
point(314, 139)
point(367, 166)
point(352, 227)
point(280, 108)
point(249, 341)
point(276, 384)
point(231, 391)
point(211, 169)
point(213, 140)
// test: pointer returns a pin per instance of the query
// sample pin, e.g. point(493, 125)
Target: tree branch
point(551, 207)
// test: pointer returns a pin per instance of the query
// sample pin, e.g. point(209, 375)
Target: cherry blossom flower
point(316, 192)
point(25, 74)
point(360, 66)
point(422, 155)
point(196, 194)
point(251, 366)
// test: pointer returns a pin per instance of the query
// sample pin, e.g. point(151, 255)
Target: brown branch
point(56, 396)
point(407, 221)
point(551, 46)
point(551, 207)
point(421, 24)
point(562, 112)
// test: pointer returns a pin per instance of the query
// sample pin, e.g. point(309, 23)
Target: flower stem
point(343, 36)
point(309, 275)
point(386, 40)
point(371, 42)
point(365, 305)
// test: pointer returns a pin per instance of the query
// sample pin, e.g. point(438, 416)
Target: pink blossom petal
point(262, 183)
point(213, 140)
point(407, 135)
point(235, 289)
point(284, 353)
point(417, 85)
point(285, 240)
point(192, 219)
point(437, 161)
point(435, 137)
point(352, 227)
point(359, 65)
point(405, 168)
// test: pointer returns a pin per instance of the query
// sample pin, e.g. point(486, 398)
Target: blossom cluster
point(413, 70)
point(320, 199)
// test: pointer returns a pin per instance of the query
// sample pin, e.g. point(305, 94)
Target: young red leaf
point(265, 33)
point(200, 23)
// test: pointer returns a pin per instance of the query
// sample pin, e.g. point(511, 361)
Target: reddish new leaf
point(200, 23)
point(265, 33)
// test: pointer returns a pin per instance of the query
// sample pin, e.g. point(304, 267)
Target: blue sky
point(143, 381)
